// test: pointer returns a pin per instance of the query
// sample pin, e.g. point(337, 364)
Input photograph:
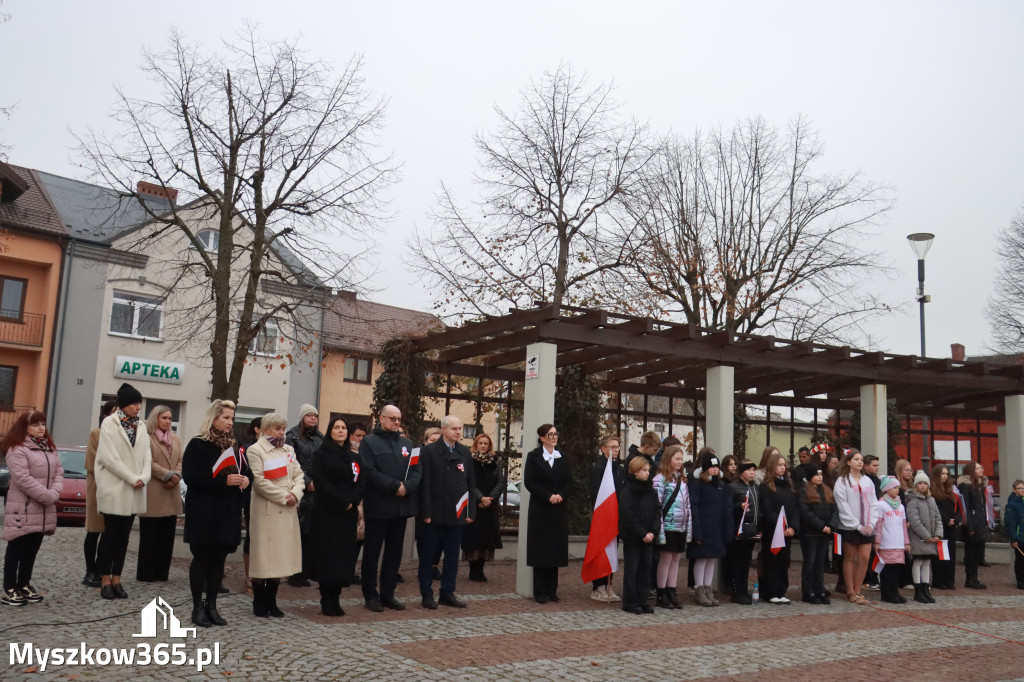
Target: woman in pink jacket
point(37, 480)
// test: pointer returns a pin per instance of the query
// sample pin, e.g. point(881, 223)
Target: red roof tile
point(363, 326)
point(33, 210)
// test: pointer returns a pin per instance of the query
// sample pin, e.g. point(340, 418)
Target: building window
point(174, 405)
point(265, 342)
point(358, 370)
point(210, 239)
point(135, 315)
point(12, 298)
point(469, 430)
point(8, 380)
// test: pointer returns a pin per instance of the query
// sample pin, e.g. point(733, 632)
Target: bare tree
point(5, 110)
point(741, 231)
point(272, 149)
point(551, 177)
point(1005, 307)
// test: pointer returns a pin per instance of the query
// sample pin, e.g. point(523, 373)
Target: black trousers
point(1018, 566)
point(601, 582)
point(737, 565)
point(20, 559)
point(776, 569)
point(545, 581)
point(114, 543)
point(206, 570)
point(889, 581)
point(636, 577)
point(156, 546)
point(812, 575)
point(944, 572)
point(90, 546)
point(383, 536)
point(972, 558)
point(434, 539)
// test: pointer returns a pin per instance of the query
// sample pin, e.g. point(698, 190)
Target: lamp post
point(920, 242)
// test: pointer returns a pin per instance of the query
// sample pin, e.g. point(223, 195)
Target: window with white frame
point(210, 239)
point(266, 340)
point(136, 315)
point(358, 370)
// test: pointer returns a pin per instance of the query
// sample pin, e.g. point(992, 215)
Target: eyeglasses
point(549, 434)
point(391, 419)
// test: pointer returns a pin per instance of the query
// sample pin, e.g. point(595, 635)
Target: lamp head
point(920, 242)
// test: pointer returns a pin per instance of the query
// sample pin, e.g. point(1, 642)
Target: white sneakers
point(778, 600)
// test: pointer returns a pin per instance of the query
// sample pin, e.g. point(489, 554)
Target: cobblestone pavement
point(968, 634)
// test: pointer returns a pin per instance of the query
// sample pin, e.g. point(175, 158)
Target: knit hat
point(922, 477)
point(307, 409)
point(888, 483)
point(744, 465)
point(707, 461)
point(128, 395)
point(811, 470)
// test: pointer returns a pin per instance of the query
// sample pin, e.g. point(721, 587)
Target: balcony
point(9, 414)
point(25, 329)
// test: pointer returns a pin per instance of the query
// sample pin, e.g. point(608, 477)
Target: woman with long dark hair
point(158, 523)
point(210, 468)
point(93, 519)
point(548, 476)
point(339, 483)
point(951, 512)
point(483, 536)
point(975, 532)
point(37, 480)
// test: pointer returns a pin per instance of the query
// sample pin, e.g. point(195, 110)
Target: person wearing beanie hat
point(925, 524)
point(743, 498)
point(892, 540)
point(128, 395)
point(711, 521)
point(305, 439)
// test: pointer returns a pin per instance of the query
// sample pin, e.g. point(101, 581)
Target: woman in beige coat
point(276, 546)
point(157, 525)
point(93, 520)
point(123, 468)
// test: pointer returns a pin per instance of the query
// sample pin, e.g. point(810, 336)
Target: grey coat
point(925, 522)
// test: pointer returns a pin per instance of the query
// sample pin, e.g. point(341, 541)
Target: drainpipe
point(58, 332)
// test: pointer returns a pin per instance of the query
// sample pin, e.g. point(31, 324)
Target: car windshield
point(73, 462)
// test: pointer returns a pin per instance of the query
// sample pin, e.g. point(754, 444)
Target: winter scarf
point(129, 424)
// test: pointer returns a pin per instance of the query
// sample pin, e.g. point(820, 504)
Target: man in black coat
point(447, 501)
point(392, 479)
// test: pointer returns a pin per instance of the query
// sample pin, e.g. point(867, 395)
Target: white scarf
point(550, 457)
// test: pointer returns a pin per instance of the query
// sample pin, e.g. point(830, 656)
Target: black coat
point(772, 504)
point(976, 527)
point(447, 476)
point(639, 511)
point(304, 449)
point(385, 455)
point(485, 532)
point(213, 511)
point(597, 475)
point(712, 519)
point(738, 493)
point(814, 516)
point(340, 483)
point(949, 511)
point(547, 535)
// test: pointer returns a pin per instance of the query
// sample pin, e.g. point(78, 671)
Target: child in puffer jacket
point(674, 501)
point(1014, 524)
point(639, 525)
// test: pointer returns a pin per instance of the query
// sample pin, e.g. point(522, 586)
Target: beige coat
point(93, 520)
point(118, 466)
point(161, 501)
point(275, 545)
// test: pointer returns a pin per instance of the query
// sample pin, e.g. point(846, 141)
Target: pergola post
point(720, 409)
point(538, 408)
point(1011, 452)
point(873, 424)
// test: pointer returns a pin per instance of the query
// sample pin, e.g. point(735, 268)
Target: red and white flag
point(602, 557)
point(226, 459)
point(943, 550)
point(779, 537)
point(837, 544)
point(414, 458)
point(878, 564)
point(746, 504)
point(276, 468)
point(462, 504)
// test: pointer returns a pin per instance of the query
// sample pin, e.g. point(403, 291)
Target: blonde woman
point(163, 498)
point(278, 484)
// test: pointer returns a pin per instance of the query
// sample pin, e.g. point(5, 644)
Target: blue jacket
point(1013, 519)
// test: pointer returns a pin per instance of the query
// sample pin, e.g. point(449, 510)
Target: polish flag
point(837, 544)
point(943, 550)
point(226, 459)
point(878, 564)
point(414, 458)
point(779, 537)
point(602, 557)
point(276, 468)
point(462, 504)
point(746, 504)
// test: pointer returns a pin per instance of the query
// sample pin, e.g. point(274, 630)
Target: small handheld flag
point(943, 550)
point(414, 458)
point(276, 468)
point(779, 537)
point(878, 564)
point(837, 544)
point(226, 459)
point(746, 504)
point(462, 504)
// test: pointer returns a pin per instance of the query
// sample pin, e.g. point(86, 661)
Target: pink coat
point(37, 480)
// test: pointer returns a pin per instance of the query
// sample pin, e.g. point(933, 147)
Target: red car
point(71, 505)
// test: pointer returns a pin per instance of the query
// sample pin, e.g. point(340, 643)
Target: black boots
point(662, 600)
point(920, 595)
point(260, 608)
point(670, 592)
point(973, 582)
point(211, 612)
point(271, 593)
point(199, 616)
point(330, 604)
point(476, 572)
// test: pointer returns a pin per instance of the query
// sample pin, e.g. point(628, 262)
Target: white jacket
point(119, 465)
point(891, 532)
point(849, 501)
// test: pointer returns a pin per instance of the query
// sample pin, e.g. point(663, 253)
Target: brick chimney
point(152, 190)
point(959, 352)
point(346, 295)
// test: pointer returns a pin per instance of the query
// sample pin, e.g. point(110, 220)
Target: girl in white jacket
point(891, 540)
point(858, 514)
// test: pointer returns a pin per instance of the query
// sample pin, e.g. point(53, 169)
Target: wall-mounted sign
point(532, 366)
point(141, 369)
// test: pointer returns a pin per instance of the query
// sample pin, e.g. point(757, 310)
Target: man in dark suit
point(448, 498)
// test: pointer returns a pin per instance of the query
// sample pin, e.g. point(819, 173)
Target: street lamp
point(920, 242)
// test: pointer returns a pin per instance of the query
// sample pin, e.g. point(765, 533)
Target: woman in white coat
point(123, 468)
point(278, 483)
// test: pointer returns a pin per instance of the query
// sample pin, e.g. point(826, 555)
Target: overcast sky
point(926, 97)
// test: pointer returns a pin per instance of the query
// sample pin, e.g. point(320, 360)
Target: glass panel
point(7, 375)
point(149, 322)
point(350, 366)
point(364, 370)
point(121, 318)
point(10, 300)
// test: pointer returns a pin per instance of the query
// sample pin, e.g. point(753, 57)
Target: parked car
point(5, 479)
point(511, 500)
point(71, 505)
